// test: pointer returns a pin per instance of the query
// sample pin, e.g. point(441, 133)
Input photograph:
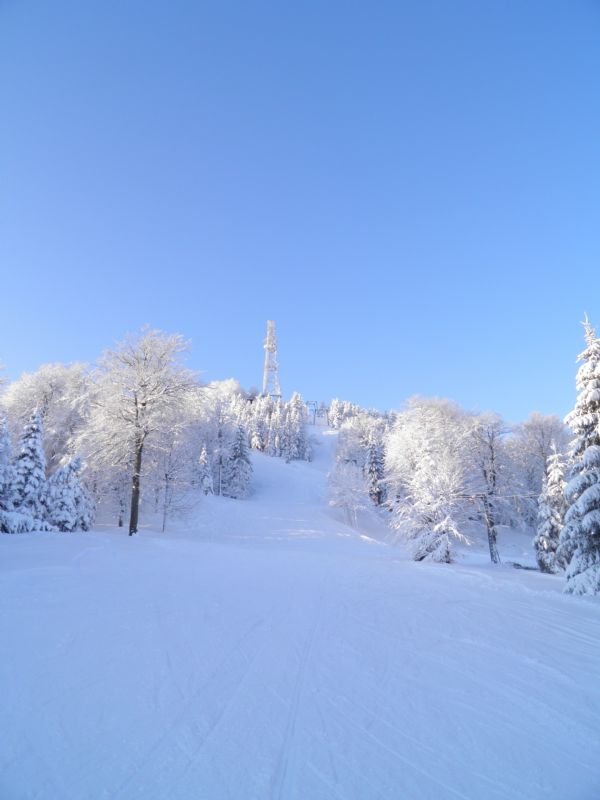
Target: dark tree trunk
point(119, 489)
point(490, 523)
point(135, 488)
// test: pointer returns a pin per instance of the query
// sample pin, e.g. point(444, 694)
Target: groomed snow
point(268, 651)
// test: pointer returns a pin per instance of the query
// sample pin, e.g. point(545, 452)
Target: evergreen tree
point(10, 520)
point(69, 507)
point(580, 537)
point(297, 444)
point(374, 473)
point(336, 414)
point(237, 471)
point(550, 515)
point(262, 410)
point(205, 476)
point(30, 470)
point(257, 441)
point(275, 424)
point(7, 471)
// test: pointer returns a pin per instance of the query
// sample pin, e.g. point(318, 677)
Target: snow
point(267, 650)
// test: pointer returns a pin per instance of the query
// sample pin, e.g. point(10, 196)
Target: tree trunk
point(135, 488)
point(492, 533)
point(166, 502)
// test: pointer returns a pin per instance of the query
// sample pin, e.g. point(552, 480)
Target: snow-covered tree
point(221, 404)
point(11, 521)
point(257, 435)
point(529, 447)
point(273, 447)
point(204, 472)
point(340, 411)
point(60, 393)
point(295, 445)
point(374, 472)
point(69, 506)
point(139, 388)
point(489, 480)
point(7, 470)
point(30, 470)
point(171, 461)
point(357, 433)
point(237, 471)
point(336, 414)
point(426, 468)
point(580, 537)
point(348, 490)
point(551, 506)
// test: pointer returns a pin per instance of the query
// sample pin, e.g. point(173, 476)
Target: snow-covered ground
point(268, 651)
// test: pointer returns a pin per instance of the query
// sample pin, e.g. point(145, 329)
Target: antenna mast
point(271, 372)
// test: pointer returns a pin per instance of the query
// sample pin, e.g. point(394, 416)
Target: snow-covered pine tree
point(273, 447)
point(7, 471)
point(84, 501)
point(10, 520)
point(286, 435)
point(257, 434)
point(237, 470)
point(551, 505)
point(580, 537)
point(335, 416)
point(205, 473)
point(30, 470)
point(294, 443)
point(257, 422)
point(374, 471)
point(69, 506)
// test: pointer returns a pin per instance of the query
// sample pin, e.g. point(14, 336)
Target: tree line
point(438, 472)
point(139, 430)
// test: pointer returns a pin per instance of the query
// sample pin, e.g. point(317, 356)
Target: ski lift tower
point(271, 385)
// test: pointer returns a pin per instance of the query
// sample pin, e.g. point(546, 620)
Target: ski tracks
point(223, 683)
point(287, 752)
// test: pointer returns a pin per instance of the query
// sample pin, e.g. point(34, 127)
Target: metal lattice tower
point(271, 372)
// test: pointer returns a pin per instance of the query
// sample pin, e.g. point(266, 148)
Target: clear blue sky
point(410, 189)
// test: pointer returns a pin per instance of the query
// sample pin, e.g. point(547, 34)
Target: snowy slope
point(268, 651)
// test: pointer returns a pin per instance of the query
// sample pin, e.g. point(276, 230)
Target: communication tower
point(271, 372)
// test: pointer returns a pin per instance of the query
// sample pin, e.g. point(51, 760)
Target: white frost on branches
point(580, 537)
point(551, 505)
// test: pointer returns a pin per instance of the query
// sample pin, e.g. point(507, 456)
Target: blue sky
point(411, 190)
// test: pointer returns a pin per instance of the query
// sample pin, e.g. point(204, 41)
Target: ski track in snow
point(269, 652)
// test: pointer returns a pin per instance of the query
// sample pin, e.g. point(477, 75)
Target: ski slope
point(266, 651)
